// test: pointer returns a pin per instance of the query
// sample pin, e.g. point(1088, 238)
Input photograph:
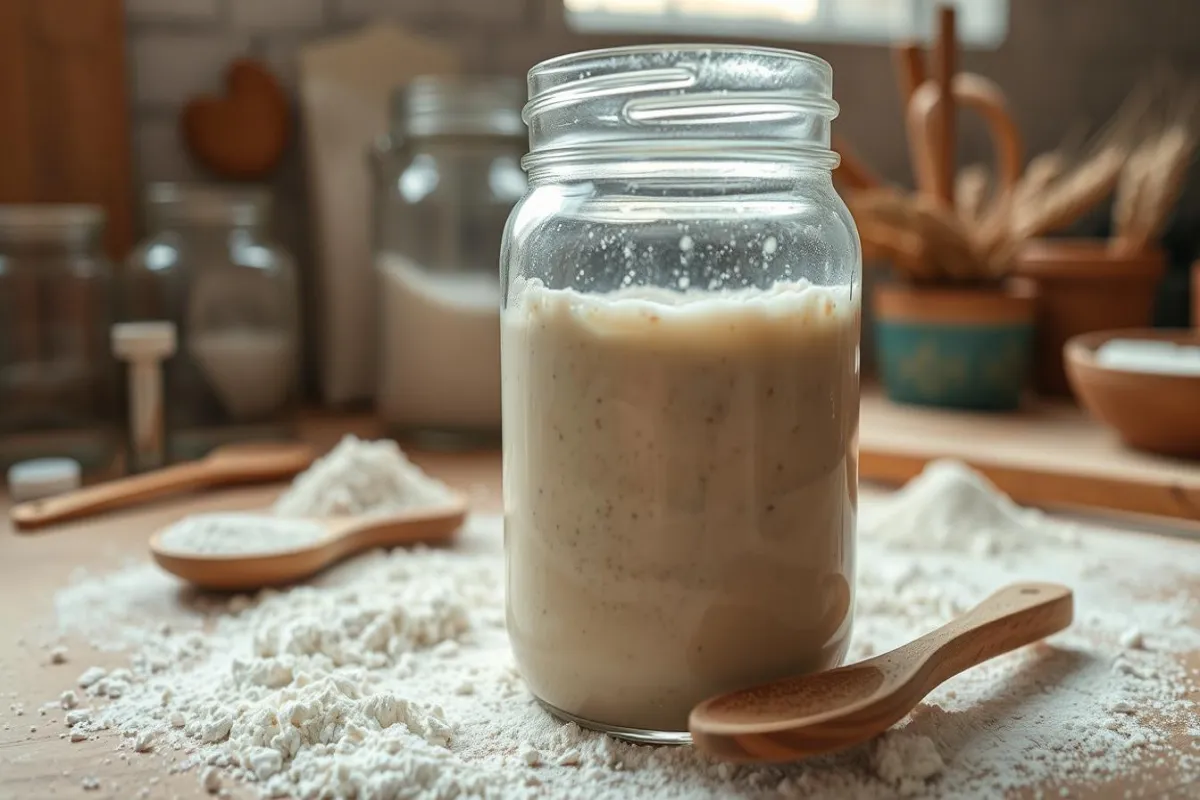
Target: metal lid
point(440, 105)
point(207, 204)
point(50, 223)
point(42, 477)
point(136, 341)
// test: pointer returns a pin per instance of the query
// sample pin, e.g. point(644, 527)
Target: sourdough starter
point(680, 485)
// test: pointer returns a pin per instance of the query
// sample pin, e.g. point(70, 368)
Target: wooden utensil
point(243, 134)
point(808, 715)
point(945, 142)
point(344, 537)
point(910, 70)
point(225, 466)
point(982, 96)
point(910, 74)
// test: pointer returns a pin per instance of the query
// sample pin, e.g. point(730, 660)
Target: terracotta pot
point(1149, 411)
point(1082, 288)
point(956, 348)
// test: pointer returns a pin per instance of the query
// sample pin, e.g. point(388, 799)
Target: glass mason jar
point(446, 178)
point(58, 381)
point(208, 267)
point(680, 379)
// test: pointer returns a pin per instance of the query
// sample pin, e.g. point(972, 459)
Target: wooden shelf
point(1049, 455)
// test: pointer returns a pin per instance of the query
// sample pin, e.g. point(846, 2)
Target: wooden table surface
point(38, 764)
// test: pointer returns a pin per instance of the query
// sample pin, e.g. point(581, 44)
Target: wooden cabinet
point(64, 108)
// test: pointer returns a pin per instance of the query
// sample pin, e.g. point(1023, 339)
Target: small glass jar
point(58, 382)
point(680, 379)
point(208, 267)
point(445, 179)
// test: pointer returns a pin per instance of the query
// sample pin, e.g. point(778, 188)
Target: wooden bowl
point(1149, 411)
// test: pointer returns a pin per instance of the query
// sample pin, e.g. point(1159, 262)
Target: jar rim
point(50, 222)
point(699, 102)
point(464, 105)
point(686, 47)
point(207, 203)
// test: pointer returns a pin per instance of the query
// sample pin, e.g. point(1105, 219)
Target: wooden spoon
point(225, 466)
point(812, 714)
point(343, 537)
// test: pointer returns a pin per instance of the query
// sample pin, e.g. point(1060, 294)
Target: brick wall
point(1065, 62)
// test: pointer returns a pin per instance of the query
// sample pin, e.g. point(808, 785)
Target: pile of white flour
point(239, 533)
point(390, 677)
point(355, 478)
point(359, 477)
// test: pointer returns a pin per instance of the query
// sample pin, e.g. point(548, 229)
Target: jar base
point(637, 735)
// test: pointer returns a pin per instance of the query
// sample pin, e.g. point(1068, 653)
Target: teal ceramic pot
point(967, 349)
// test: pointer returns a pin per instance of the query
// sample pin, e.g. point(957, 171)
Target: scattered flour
point(239, 534)
point(359, 477)
point(390, 676)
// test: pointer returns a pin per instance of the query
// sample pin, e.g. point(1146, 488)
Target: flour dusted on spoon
point(239, 534)
point(359, 477)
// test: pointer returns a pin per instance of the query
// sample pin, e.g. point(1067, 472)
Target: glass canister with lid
point(58, 381)
point(209, 267)
point(445, 179)
point(680, 379)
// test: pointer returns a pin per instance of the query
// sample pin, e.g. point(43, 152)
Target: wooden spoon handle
point(984, 97)
point(424, 525)
point(112, 494)
point(1017, 615)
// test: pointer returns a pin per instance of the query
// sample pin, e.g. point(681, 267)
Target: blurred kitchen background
point(141, 106)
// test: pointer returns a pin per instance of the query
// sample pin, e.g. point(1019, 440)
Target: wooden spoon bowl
point(343, 537)
point(813, 714)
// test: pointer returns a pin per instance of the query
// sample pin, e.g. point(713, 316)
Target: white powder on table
point(359, 477)
point(390, 677)
point(242, 534)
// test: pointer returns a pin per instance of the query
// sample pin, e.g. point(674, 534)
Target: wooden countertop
point(37, 764)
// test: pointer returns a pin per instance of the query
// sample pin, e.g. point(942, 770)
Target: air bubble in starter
point(770, 246)
point(686, 243)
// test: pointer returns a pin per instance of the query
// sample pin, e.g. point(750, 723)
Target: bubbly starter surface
point(680, 484)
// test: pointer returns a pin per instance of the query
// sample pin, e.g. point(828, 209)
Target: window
point(981, 23)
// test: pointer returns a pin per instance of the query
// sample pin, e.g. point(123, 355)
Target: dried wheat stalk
point(945, 251)
point(1150, 186)
point(971, 188)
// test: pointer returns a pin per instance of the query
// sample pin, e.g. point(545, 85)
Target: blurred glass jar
point(209, 267)
point(58, 382)
point(445, 179)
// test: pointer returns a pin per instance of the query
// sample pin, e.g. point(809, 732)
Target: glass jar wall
point(209, 267)
point(680, 380)
point(58, 381)
point(446, 177)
